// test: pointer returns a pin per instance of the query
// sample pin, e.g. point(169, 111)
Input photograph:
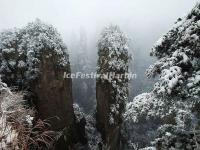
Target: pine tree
point(175, 97)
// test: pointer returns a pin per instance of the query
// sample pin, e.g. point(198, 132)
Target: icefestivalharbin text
point(94, 75)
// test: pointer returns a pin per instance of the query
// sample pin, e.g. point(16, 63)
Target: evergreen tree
point(175, 97)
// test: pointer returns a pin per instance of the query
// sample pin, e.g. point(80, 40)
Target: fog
point(144, 21)
point(143, 18)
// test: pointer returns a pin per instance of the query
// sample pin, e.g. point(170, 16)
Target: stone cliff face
point(112, 85)
point(103, 96)
point(34, 58)
point(54, 95)
point(110, 132)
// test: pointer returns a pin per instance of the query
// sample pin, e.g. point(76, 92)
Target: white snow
point(114, 43)
point(32, 40)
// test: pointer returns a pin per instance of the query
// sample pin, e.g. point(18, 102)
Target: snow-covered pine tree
point(112, 92)
point(178, 66)
point(176, 94)
point(178, 53)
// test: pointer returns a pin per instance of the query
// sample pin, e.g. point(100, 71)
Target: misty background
point(80, 23)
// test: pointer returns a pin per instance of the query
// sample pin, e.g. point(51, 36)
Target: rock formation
point(35, 59)
point(111, 89)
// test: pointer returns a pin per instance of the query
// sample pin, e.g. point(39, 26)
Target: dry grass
point(16, 128)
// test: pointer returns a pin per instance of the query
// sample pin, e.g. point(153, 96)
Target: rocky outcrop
point(53, 100)
point(35, 58)
point(107, 130)
point(110, 132)
point(54, 95)
point(111, 89)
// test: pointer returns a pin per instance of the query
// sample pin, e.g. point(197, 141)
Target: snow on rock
point(112, 84)
point(113, 60)
point(115, 42)
point(21, 50)
point(113, 39)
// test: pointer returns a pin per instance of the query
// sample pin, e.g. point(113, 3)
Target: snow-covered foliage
point(113, 49)
point(78, 112)
point(12, 114)
point(142, 105)
point(185, 119)
point(17, 130)
point(176, 93)
point(93, 136)
point(148, 105)
point(173, 137)
point(115, 43)
point(113, 61)
point(178, 53)
point(148, 148)
point(21, 51)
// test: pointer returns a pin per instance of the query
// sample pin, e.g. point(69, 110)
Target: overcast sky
point(140, 18)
